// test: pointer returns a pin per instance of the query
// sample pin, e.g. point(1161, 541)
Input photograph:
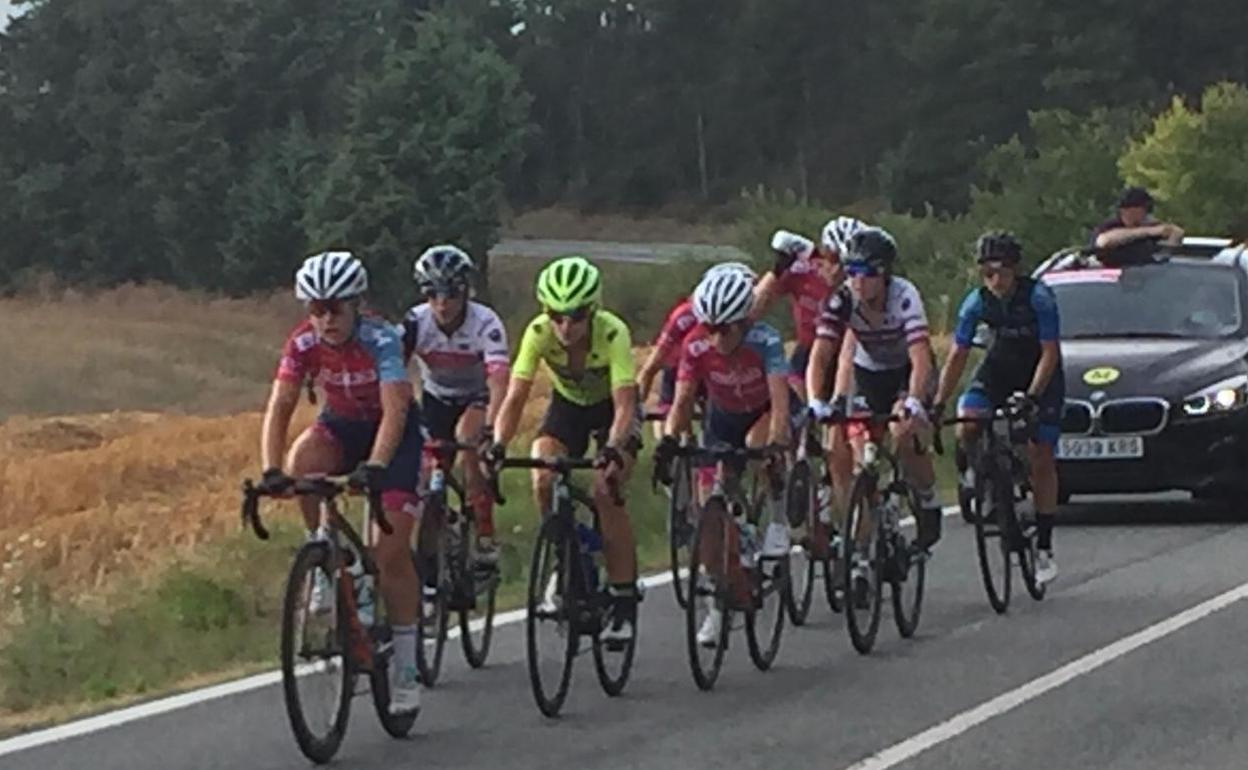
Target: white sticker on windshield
point(1103, 275)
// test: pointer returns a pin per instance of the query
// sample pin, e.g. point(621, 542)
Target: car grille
point(1123, 416)
point(1076, 417)
point(1133, 416)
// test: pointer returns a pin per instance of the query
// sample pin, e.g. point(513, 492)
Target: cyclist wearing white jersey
point(461, 346)
point(886, 360)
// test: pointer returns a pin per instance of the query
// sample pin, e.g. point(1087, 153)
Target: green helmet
point(569, 283)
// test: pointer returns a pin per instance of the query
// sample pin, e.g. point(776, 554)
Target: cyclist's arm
point(681, 415)
point(778, 388)
point(497, 366)
point(822, 354)
point(283, 399)
point(1124, 235)
point(1048, 331)
point(624, 399)
point(920, 366)
point(845, 365)
point(396, 399)
point(496, 383)
point(650, 370)
point(508, 419)
point(764, 293)
point(969, 314)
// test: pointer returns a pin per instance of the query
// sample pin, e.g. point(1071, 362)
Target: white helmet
point(837, 232)
point(723, 296)
point(792, 244)
point(331, 275)
point(739, 267)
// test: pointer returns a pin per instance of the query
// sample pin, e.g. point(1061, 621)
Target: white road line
point(194, 697)
point(955, 726)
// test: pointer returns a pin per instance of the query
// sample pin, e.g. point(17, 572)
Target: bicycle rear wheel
point(863, 545)
point(476, 588)
point(318, 675)
point(908, 576)
point(614, 662)
point(709, 592)
point(800, 511)
point(551, 638)
point(432, 566)
point(680, 528)
point(395, 725)
point(994, 503)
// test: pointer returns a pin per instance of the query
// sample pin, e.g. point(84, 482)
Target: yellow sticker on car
point(1101, 375)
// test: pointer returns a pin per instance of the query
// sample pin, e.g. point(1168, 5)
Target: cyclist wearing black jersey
point(1024, 362)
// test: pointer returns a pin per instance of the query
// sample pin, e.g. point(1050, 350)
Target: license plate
point(1100, 448)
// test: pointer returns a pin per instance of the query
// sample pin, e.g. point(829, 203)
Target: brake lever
point(378, 513)
point(250, 513)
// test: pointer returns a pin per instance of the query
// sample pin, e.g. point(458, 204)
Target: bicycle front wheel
point(1027, 564)
point(862, 565)
point(680, 528)
point(432, 566)
point(908, 576)
point(318, 675)
point(476, 588)
point(801, 504)
point(994, 503)
point(551, 635)
point(708, 613)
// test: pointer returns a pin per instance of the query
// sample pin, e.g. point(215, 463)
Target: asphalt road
point(968, 692)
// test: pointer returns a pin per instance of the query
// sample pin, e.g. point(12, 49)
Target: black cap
point(1134, 198)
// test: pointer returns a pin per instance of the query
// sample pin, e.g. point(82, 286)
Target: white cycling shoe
point(776, 543)
point(405, 691)
point(1046, 567)
point(708, 634)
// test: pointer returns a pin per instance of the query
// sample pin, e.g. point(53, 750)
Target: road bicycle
point(808, 506)
point(568, 597)
point(325, 645)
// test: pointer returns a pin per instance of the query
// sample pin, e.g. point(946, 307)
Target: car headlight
point(1231, 393)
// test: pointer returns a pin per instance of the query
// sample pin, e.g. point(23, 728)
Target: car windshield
point(1163, 300)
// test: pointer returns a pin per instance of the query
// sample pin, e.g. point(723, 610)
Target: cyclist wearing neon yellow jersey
point(588, 354)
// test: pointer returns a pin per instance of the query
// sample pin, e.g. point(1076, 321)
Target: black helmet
point(1135, 198)
point(873, 248)
point(998, 246)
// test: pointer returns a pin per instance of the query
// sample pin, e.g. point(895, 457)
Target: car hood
point(1170, 368)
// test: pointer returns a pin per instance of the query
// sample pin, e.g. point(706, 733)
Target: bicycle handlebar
point(325, 487)
point(560, 465)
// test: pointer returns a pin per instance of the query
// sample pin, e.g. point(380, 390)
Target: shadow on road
point(1109, 512)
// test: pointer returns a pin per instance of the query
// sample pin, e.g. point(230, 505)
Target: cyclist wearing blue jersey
point(1024, 363)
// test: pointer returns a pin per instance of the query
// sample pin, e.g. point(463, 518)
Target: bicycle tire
point(910, 572)
point(770, 587)
point(318, 748)
point(713, 524)
point(483, 588)
point(679, 529)
point(1027, 566)
point(395, 725)
point(991, 536)
point(800, 504)
point(553, 550)
point(862, 631)
point(437, 618)
point(614, 682)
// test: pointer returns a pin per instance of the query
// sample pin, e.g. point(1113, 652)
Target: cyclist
point(665, 357)
point(462, 348)
point(588, 352)
point(1024, 362)
point(807, 275)
point(368, 423)
point(741, 364)
point(886, 359)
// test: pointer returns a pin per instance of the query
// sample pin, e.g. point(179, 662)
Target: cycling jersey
point(349, 376)
point(808, 290)
point(736, 382)
point(680, 321)
point(453, 367)
point(1019, 322)
point(608, 364)
point(883, 343)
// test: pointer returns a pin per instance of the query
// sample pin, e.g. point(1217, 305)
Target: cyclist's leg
point(1044, 482)
point(468, 431)
point(562, 434)
point(316, 450)
point(619, 547)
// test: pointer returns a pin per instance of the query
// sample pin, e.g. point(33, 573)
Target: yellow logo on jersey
point(1101, 375)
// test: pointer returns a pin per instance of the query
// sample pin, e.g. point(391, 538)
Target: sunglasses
point(861, 270)
point(449, 292)
point(990, 270)
point(319, 308)
point(720, 328)
point(575, 316)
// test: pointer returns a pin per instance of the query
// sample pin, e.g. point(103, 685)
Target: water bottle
point(591, 551)
point(749, 543)
point(365, 602)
